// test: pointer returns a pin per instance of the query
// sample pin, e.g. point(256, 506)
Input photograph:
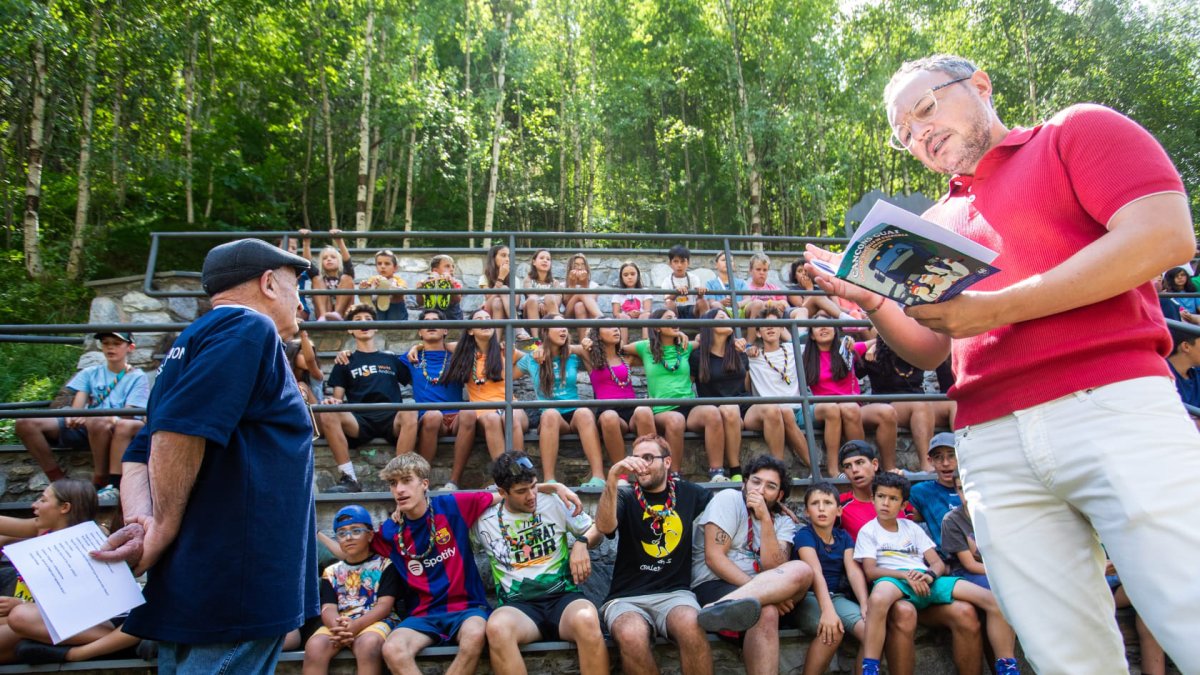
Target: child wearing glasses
point(358, 599)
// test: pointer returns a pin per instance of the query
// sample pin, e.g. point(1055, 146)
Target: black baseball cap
point(124, 337)
point(235, 262)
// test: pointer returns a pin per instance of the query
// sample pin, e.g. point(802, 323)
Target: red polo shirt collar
point(1016, 137)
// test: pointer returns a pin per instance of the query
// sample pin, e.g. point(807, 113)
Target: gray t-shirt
point(957, 531)
point(728, 511)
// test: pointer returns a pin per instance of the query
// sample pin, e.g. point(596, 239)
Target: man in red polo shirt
point(1068, 424)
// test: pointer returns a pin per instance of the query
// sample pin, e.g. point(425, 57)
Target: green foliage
point(51, 300)
point(617, 116)
point(33, 373)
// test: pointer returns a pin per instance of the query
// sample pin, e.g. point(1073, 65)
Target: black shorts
point(625, 413)
point(686, 312)
point(373, 425)
point(712, 591)
point(535, 416)
point(547, 612)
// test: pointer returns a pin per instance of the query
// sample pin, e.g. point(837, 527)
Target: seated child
point(441, 275)
point(827, 612)
point(358, 599)
point(901, 561)
point(336, 272)
point(541, 276)
point(958, 542)
point(113, 384)
point(633, 303)
point(683, 283)
point(581, 305)
point(388, 307)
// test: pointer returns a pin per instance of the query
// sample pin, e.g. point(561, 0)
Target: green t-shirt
point(664, 382)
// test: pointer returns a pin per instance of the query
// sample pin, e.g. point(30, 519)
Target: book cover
point(913, 261)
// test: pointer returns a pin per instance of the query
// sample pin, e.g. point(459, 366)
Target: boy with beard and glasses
point(652, 576)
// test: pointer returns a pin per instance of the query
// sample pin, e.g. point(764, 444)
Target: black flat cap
point(235, 262)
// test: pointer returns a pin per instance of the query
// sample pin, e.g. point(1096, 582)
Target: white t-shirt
point(530, 555)
point(903, 549)
point(768, 382)
point(728, 511)
point(672, 282)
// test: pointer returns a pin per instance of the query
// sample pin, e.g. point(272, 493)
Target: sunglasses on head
point(520, 467)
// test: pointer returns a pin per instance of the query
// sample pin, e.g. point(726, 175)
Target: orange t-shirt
point(488, 391)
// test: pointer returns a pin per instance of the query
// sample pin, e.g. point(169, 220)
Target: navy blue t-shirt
point(832, 556)
point(243, 564)
point(371, 377)
point(425, 391)
point(1189, 389)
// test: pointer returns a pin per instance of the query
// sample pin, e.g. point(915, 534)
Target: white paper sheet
point(73, 591)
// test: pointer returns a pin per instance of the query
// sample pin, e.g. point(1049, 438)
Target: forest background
point(123, 117)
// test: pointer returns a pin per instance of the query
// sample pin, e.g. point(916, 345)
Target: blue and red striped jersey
point(445, 580)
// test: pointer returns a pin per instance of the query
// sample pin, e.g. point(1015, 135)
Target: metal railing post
point(814, 458)
point(151, 261)
point(509, 344)
point(732, 288)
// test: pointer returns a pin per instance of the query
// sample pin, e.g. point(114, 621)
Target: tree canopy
point(707, 116)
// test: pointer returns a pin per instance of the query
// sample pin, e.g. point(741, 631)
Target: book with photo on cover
point(902, 256)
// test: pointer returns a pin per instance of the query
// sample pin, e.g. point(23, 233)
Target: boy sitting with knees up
point(358, 599)
point(902, 563)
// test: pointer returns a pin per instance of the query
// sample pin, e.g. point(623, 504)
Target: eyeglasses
point(924, 110)
point(649, 459)
point(352, 533)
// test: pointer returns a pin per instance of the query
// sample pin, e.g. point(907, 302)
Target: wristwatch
point(582, 539)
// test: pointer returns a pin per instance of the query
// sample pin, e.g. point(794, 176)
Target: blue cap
point(352, 515)
point(942, 440)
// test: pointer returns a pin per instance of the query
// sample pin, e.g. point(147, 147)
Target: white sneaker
point(449, 487)
point(108, 496)
point(718, 477)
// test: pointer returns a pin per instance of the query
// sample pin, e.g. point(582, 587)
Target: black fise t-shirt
point(655, 559)
point(371, 377)
point(721, 384)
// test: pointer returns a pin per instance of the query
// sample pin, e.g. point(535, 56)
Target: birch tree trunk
point(470, 126)
point(755, 178)
point(308, 152)
point(408, 183)
point(371, 175)
point(326, 121)
point(33, 181)
point(497, 130)
point(189, 89)
point(118, 158)
point(364, 130)
point(84, 190)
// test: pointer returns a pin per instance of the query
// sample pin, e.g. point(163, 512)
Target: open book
point(904, 257)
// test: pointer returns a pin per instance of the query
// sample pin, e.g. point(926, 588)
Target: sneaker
point(870, 667)
point(532, 346)
point(108, 496)
point(383, 301)
point(735, 478)
point(621, 482)
point(449, 487)
point(550, 481)
point(344, 485)
point(736, 615)
point(593, 482)
point(523, 335)
point(717, 476)
point(1007, 667)
point(37, 653)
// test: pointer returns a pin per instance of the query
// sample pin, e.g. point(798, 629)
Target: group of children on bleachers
point(864, 550)
point(712, 363)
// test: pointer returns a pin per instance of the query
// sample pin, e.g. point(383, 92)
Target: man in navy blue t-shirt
point(217, 489)
point(368, 376)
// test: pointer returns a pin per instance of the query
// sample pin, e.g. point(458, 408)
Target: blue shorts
point(941, 591)
point(442, 627)
point(68, 437)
